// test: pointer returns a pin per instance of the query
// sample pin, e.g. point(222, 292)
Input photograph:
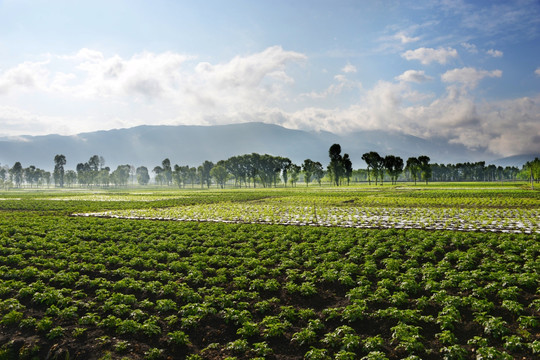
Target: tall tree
point(95, 162)
point(59, 162)
point(16, 173)
point(220, 173)
point(71, 177)
point(103, 177)
point(294, 171)
point(347, 167)
point(283, 167)
point(336, 165)
point(47, 178)
point(533, 170)
point(413, 167)
point(120, 176)
point(29, 174)
point(143, 178)
point(3, 173)
point(192, 175)
point(308, 167)
point(394, 167)
point(425, 168)
point(367, 160)
point(167, 171)
point(205, 168)
point(376, 163)
point(318, 172)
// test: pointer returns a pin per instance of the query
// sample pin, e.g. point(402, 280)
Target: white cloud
point(28, 75)
point(494, 53)
point(18, 121)
point(401, 36)
point(470, 47)
point(503, 127)
point(417, 76)
point(101, 92)
point(146, 88)
point(349, 68)
point(429, 55)
point(334, 89)
point(147, 74)
point(468, 76)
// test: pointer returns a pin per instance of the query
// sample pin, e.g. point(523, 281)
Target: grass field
point(444, 271)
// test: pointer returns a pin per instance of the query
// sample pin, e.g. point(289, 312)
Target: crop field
point(388, 272)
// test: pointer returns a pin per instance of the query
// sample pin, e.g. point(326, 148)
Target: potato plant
point(89, 287)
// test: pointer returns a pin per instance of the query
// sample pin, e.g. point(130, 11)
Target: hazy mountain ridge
point(191, 145)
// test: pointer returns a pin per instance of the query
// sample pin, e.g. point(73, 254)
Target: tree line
point(252, 170)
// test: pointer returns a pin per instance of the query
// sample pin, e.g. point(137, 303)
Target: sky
point(463, 72)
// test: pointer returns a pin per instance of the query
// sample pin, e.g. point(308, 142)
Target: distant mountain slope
point(516, 160)
point(191, 145)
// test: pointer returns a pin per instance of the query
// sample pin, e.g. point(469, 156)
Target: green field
point(444, 271)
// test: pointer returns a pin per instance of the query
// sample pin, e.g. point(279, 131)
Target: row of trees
point(246, 170)
point(477, 171)
point(393, 166)
point(17, 175)
point(94, 172)
point(266, 170)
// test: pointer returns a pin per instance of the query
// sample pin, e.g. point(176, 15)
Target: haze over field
point(461, 73)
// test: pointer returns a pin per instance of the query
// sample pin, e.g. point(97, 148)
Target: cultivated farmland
point(441, 272)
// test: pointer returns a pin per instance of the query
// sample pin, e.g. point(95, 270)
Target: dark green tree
point(180, 175)
point(294, 171)
point(425, 168)
point(376, 163)
point(532, 168)
point(308, 167)
point(120, 176)
point(16, 173)
point(31, 175)
point(70, 177)
point(167, 171)
point(318, 172)
point(220, 173)
point(143, 178)
point(192, 175)
point(59, 162)
point(347, 167)
point(394, 167)
point(336, 164)
point(413, 167)
point(204, 173)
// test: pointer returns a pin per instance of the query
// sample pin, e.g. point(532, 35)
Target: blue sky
point(466, 72)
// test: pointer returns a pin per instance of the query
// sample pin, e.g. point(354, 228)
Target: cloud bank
point(94, 91)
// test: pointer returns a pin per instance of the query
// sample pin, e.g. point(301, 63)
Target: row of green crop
point(506, 197)
point(488, 219)
point(205, 290)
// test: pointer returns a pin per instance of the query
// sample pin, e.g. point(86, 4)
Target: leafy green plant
point(238, 346)
point(55, 333)
point(153, 354)
point(453, 352)
point(12, 318)
point(317, 354)
point(407, 337)
point(79, 332)
point(375, 355)
point(44, 325)
point(179, 338)
point(121, 346)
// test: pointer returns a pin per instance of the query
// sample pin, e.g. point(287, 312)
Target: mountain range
point(191, 145)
